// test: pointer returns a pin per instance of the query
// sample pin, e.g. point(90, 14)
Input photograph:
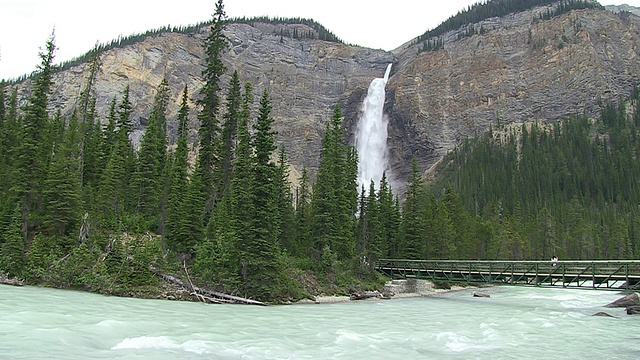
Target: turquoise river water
point(514, 323)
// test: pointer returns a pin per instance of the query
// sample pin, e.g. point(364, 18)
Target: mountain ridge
point(519, 70)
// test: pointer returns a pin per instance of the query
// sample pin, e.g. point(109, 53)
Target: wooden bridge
point(605, 274)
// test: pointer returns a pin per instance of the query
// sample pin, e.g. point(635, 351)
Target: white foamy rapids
point(161, 342)
point(371, 135)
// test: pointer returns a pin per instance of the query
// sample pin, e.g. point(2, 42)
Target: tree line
point(80, 208)
point(431, 39)
point(569, 188)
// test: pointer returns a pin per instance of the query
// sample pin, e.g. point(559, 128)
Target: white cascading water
point(371, 135)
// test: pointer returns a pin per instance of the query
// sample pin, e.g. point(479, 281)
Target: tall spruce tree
point(335, 198)
point(389, 219)
point(284, 201)
point(302, 247)
point(229, 133)
point(62, 191)
point(209, 133)
point(414, 216)
point(183, 227)
point(148, 179)
point(33, 152)
point(91, 133)
point(12, 246)
point(114, 195)
point(264, 272)
point(10, 133)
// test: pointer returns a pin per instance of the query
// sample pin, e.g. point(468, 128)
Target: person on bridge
point(554, 260)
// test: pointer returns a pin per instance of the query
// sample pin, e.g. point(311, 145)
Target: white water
point(514, 323)
point(371, 135)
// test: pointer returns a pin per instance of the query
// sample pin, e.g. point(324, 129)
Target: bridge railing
point(581, 273)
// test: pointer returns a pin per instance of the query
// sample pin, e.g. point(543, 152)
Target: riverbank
point(394, 289)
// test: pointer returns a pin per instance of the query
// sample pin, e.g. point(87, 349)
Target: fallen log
point(217, 296)
point(366, 295)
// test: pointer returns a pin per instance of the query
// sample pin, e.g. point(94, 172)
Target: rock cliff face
point(519, 69)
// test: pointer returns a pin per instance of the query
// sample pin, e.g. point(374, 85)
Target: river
point(514, 323)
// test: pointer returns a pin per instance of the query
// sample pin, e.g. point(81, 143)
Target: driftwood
point(200, 297)
point(207, 295)
point(366, 295)
point(4, 279)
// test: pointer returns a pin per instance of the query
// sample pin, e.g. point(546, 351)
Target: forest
point(432, 40)
point(81, 208)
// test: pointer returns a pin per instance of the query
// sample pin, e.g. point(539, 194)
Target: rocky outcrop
point(603, 314)
point(519, 69)
point(629, 300)
point(633, 310)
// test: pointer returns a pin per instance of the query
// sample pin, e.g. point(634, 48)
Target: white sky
point(25, 25)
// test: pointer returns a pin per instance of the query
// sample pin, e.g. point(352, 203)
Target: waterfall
point(371, 135)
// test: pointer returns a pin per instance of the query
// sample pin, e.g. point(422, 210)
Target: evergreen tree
point(3, 110)
point(148, 179)
point(370, 235)
point(180, 215)
point(9, 145)
point(33, 153)
point(335, 198)
point(414, 219)
point(301, 248)
point(209, 133)
point(229, 133)
point(91, 143)
point(114, 195)
point(62, 186)
point(284, 201)
point(389, 217)
point(262, 254)
point(12, 246)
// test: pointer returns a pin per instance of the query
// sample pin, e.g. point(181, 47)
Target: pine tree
point(91, 144)
point(302, 247)
point(242, 180)
point(9, 135)
point(389, 219)
point(370, 229)
point(335, 197)
point(229, 133)
point(62, 186)
point(209, 133)
point(181, 219)
point(285, 201)
point(148, 180)
point(262, 253)
point(12, 246)
point(33, 153)
point(114, 195)
point(414, 218)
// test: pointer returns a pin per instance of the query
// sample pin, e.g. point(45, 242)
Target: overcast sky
point(25, 25)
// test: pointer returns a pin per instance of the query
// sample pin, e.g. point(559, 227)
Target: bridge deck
point(613, 274)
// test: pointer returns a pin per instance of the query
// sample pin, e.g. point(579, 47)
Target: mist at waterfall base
point(371, 136)
point(514, 323)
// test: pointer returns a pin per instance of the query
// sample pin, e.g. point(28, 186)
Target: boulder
point(602, 313)
point(629, 300)
point(479, 294)
point(633, 310)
